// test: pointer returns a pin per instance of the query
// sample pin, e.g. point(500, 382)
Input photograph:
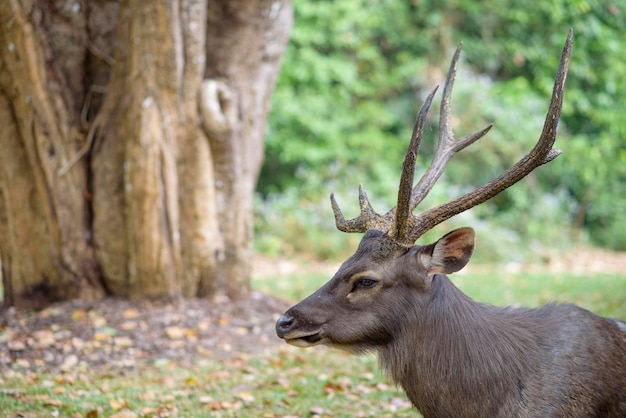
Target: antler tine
point(447, 145)
point(403, 217)
point(541, 153)
point(368, 218)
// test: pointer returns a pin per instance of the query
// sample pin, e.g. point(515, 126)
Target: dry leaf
point(130, 313)
point(99, 321)
point(77, 343)
point(317, 410)
point(205, 399)
point(69, 362)
point(247, 397)
point(117, 404)
point(100, 336)
point(78, 314)
point(45, 338)
point(128, 325)
point(16, 345)
point(124, 414)
point(175, 333)
point(123, 342)
point(204, 351)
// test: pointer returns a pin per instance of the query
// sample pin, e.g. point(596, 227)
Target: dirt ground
point(119, 333)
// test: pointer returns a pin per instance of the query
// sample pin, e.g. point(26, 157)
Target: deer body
point(453, 356)
point(457, 357)
point(471, 360)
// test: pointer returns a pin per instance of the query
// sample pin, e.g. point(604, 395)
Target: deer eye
point(365, 283)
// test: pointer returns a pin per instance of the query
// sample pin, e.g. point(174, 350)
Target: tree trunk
point(132, 138)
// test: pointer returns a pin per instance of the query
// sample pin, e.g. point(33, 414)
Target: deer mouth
point(304, 340)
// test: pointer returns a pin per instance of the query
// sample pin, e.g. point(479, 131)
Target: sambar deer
point(453, 356)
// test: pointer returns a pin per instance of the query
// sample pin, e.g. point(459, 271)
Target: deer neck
point(456, 345)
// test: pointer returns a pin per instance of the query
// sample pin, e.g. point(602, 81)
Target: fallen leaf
point(124, 414)
point(383, 387)
point(128, 325)
point(77, 343)
point(148, 396)
point(225, 347)
point(22, 362)
point(317, 410)
point(69, 362)
point(123, 342)
point(117, 404)
point(175, 333)
point(50, 312)
point(16, 345)
point(45, 338)
point(78, 314)
point(204, 351)
point(100, 336)
point(205, 399)
point(130, 313)
point(99, 321)
point(247, 397)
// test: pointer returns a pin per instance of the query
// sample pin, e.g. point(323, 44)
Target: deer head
point(364, 305)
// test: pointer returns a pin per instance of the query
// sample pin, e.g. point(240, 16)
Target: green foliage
point(516, 44)
point(352, 82)
point(340, 96)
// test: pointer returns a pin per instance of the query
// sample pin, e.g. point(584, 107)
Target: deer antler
point(406, 228)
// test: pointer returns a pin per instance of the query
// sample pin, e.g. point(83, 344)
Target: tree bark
point(132, 137)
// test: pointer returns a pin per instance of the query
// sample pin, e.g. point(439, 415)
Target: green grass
point(290, 288)
point(284, 382)
point(288, 382)
point(604, 293)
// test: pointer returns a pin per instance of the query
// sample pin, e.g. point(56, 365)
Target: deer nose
point(283, 325)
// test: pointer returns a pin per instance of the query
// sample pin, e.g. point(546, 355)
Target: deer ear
point(451, 253)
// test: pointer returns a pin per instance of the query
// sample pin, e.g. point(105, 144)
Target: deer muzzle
point(287, 329)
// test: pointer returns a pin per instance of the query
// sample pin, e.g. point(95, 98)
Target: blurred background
point(353, 79)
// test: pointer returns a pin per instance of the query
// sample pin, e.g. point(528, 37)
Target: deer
point(453, 356)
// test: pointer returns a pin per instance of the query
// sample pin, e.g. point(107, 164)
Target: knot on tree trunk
point(217, 108)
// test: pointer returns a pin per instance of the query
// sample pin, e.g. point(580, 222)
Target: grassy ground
point(280, 382)
point(286, 382)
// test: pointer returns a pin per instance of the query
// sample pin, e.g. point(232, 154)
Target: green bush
point(352, 82)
